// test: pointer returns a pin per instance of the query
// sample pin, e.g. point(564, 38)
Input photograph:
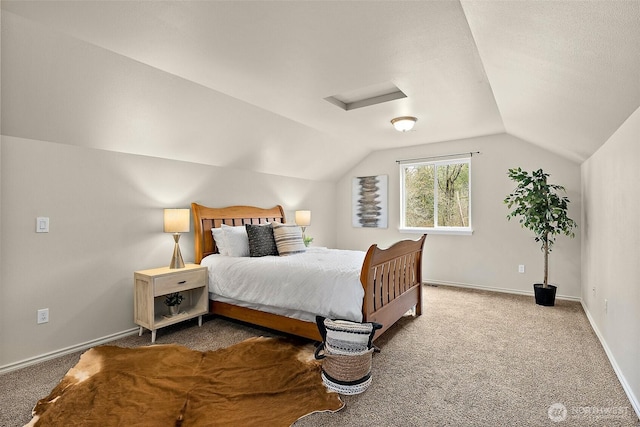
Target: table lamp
point(303, 219)
point(176, 221)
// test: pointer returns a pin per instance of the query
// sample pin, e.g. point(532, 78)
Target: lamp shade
point(176, 220)
point(404, 124)
point(303, 218)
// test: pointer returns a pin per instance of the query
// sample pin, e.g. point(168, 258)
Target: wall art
point(369, 201)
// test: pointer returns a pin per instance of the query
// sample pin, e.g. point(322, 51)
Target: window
point(435, 196)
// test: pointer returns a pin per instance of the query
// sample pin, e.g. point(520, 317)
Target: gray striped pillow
point(288, 238)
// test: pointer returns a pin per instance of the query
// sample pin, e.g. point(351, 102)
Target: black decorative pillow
point(261, 241)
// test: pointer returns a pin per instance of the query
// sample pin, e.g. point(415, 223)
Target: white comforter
point(319, 281)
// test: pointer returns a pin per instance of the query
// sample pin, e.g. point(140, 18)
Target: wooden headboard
point(204, 219)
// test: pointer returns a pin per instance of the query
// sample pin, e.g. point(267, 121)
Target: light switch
point(42, 224)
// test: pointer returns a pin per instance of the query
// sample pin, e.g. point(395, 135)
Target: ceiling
point(563, 75)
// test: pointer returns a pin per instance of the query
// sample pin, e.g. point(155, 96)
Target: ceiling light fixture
point(404, 123)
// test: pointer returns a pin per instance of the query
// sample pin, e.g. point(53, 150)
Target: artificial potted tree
point(543, 210)
point(173, 301)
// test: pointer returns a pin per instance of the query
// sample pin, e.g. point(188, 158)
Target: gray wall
point(490, 257)
point(105, 213)
point(611, 249)
point(67, 108)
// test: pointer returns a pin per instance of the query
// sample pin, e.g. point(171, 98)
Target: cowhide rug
point(261, 381)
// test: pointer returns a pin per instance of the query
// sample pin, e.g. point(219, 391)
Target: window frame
point(466, 231)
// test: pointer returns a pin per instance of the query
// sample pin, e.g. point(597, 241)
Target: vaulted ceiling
point(560, 74)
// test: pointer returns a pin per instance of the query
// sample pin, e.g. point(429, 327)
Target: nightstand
point(151, 286)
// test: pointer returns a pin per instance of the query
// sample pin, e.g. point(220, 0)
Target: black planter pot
point(545, 296)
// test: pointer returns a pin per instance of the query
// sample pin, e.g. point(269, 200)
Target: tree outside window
point(436, 195)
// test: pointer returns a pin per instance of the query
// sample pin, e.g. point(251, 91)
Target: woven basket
point(346, 353)
point(348, 368)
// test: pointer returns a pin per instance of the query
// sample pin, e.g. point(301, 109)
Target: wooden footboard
point(392, 280)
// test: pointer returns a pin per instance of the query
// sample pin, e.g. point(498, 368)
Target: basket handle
point(321, 328)
point(319, 349)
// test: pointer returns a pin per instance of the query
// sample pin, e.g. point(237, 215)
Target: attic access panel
point(365, 97)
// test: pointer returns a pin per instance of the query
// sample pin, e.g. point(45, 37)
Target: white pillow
point(218, 236)
point(236, 240)
point(288, 238)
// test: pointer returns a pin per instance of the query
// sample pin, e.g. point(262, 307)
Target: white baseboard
point(623, 381)
point(494, 289)
point(64, 351)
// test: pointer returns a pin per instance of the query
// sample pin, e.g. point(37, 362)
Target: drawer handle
point(181, 282)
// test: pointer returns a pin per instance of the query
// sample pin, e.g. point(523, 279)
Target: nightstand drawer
point(176, 283)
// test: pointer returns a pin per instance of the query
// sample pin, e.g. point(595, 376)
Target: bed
point(390, 278)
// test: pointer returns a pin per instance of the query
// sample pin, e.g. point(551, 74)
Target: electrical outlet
point(521, 268)
point(606, 306)
point(43, 315)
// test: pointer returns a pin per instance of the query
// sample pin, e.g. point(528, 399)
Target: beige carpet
point(473, 358)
